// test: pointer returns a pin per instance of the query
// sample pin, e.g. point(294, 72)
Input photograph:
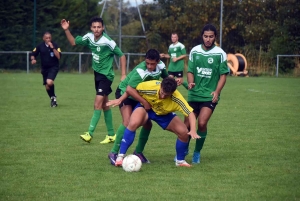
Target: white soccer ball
point(132, 163)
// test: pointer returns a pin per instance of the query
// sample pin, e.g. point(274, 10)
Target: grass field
point(252, 151)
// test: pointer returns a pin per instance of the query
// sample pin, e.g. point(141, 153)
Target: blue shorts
point(162, 120)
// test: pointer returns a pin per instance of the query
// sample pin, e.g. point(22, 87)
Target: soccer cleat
point(53, 102)
point(182, 163)
point(119, 160)
point(196, 157)
point(112, 157)
point(142, 157)
point(108, 139)
point(186, 153)
point(86, 137)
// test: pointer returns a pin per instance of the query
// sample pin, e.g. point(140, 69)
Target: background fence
point(81, 62)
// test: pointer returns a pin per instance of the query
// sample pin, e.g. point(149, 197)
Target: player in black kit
point(50, 55)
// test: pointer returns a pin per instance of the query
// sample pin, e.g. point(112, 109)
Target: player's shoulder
point(89, 35)
point(196, 49)
point(55, 44)
point(181, 45)
point(161, 65)
point(217, 49)
point(105, 39)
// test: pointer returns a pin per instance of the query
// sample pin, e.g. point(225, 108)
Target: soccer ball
point(132, 163)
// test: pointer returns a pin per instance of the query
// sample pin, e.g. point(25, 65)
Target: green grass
point(251, 151)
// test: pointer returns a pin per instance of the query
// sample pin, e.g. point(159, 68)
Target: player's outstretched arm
point(193, 127)
point(65, 25)
point(132, 92)
point(117, 102)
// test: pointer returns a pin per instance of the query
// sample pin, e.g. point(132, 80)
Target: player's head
point(152, 58)
point(168, 86)
point(208, 34)
point(174, 37)
point(47, 37)
point(97, 26)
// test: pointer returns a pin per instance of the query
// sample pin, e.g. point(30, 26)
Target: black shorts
point(127, 101)
point(49, 73)
point(102, 84)
point(176, 74)
point(197, 106)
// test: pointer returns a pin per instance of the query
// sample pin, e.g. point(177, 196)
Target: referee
point(50, 55)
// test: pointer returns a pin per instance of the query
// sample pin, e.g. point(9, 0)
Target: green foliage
point(270, 27)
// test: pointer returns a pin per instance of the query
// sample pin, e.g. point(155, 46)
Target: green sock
point(200, 142)
point(120, 133)
point(108, 121)
point(94, 121)
point(185, 84)
point(143, 138)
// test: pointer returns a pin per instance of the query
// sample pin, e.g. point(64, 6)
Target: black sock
point(52, 90)
point(49, 92)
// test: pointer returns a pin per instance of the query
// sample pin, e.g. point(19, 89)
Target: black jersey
point(48, 58)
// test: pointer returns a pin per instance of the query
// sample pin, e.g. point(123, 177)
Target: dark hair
point(46, 32)
point(169, 85)
point(96, 19)
point(209, 27)
point(152, 54)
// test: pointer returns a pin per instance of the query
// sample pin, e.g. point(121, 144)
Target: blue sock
point(127, 140)
point(181, 148)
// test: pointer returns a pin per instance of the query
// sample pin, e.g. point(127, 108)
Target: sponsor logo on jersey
point(210, 60)
point(98, 48)
point(95, 57)
point(204, 72)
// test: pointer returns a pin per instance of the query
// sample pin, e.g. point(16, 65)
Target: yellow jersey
point(149, 90)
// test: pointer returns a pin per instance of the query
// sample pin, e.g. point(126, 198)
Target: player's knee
point(97, 106)
point(125, 122)
point(202, 125)
point(49, 82)
point(183, 137)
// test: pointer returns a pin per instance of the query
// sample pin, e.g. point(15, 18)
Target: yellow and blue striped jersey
point(149, 90)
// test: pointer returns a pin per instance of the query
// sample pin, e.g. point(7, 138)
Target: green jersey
point(103, 51)
point(141, 74)
point(176, 51)
point(206, 66)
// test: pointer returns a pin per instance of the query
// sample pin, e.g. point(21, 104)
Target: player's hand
point(123, 77)
point(50, 44)
point(147, 106)
point(113, 103)
point(194, 135)
point(162, 55)
point(215, 96)
point(65, 24)
point(191, 85)
point(33, 61)
point(179, 81)
point(174, 59)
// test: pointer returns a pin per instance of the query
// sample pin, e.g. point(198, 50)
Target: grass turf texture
point(251, 151)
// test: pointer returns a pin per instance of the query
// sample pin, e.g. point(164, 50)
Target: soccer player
point(50, 55)
point(150, 69)
point(103, 50)
point(207, 70)
point(164, 100)
point(177, 53)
